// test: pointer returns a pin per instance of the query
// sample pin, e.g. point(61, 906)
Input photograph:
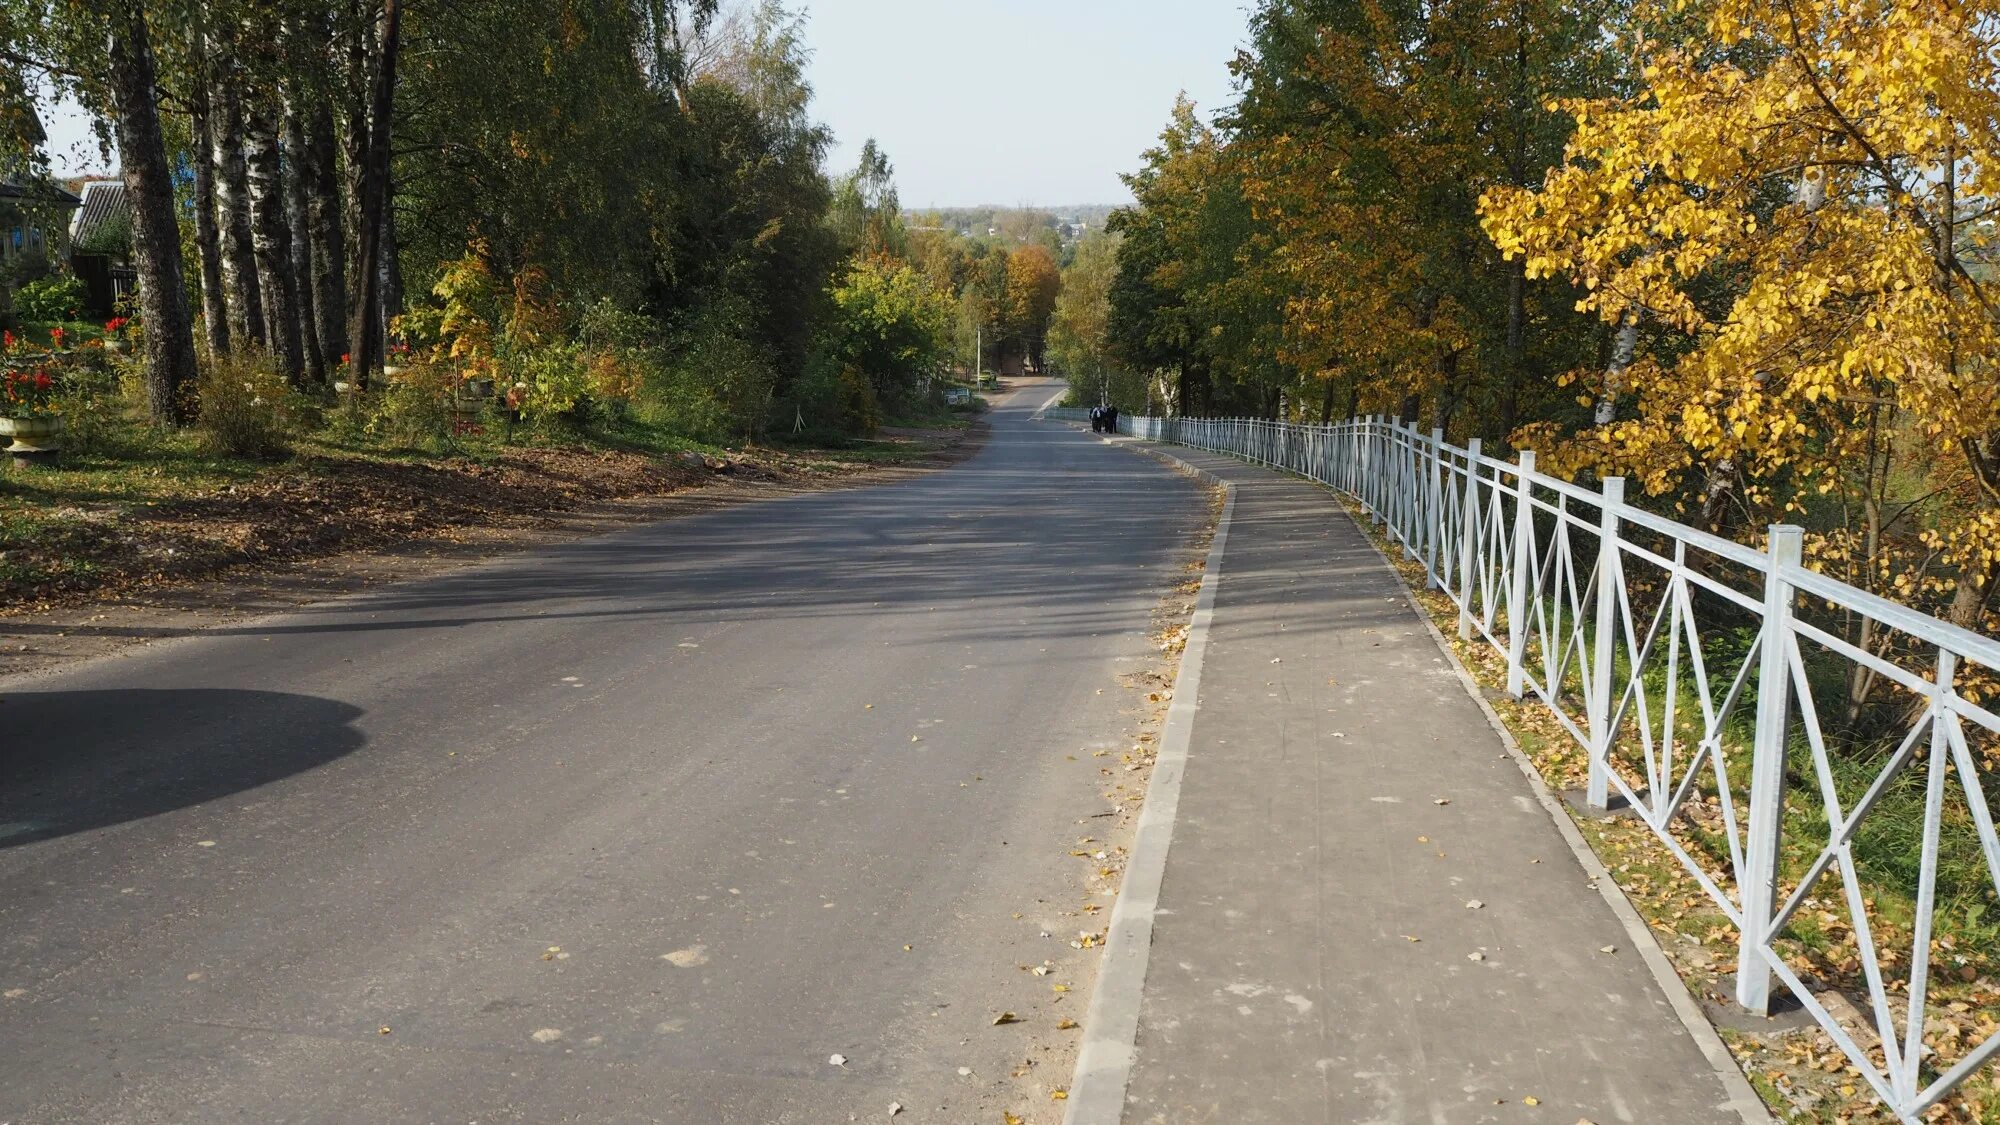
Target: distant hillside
point(1018, 223)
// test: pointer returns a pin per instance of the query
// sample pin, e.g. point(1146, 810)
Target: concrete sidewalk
point(1367, 915)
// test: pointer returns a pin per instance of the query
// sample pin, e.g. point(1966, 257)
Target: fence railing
point(1816, 757)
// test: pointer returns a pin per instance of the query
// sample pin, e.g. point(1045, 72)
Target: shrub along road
point(647, 827)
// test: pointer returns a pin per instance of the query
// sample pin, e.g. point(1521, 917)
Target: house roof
point(103, 204)
point(37, 192)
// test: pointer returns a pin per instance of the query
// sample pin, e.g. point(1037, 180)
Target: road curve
point(641, 828)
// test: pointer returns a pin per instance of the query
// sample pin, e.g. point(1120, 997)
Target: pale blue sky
point(982, 101)
point(1014, 101)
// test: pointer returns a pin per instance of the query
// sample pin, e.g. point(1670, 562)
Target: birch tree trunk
point(1622, 350)
point(360, 303)
point(299, 234)
point(149, 192)
point(232, 202)
point(392, 250)
point(363, 338)
point(329, 250)
point(271, 245)
point(1517, 347)
point(207, 237)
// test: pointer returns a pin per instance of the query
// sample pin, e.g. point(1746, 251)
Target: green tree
point(892, 326)
point(1080, 328)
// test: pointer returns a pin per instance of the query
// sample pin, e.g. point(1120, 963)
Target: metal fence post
point(1391, 464)
point(1350, 456)
point(1403, 439)
point(1368, 491)
point(1434, 522)
point(1610, 584)
point(1403, 443)
point(1468, 528)
point(1395, 475)
point(1394, 463)
point(1420, 495)
point(1517, 584)
point(1759, 889)
point(1377, 470)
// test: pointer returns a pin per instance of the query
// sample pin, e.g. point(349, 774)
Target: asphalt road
point(633, 829)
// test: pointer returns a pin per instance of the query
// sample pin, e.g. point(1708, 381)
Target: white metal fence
point(1712, 688)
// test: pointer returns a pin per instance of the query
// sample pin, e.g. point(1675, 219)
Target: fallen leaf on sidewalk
point(1609, 949)
point(1531, 1100)
point(1475, 904)
point(1442, 801)
point(895, 1108)
point(836, 1060)
point(1013, 1118)
point(1475, 957)
point(1066, 1025)
point(1005, 1017)
point(1407, 937)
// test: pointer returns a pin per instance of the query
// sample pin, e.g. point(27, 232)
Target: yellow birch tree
point(1798, 205)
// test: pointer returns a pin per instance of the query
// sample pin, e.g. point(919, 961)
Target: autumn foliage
point(1741, 252)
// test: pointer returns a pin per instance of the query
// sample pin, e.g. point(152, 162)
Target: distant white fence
point(1697, 674)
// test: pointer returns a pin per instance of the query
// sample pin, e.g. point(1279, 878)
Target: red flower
point(116, 324)
point(6, 341)
point(343, 357)
point(57, 334)
point(42, 381)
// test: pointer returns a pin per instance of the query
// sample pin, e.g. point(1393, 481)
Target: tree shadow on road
point(72, 761)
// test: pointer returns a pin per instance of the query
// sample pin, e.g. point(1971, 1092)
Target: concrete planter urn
point(471, 397)
point(37, 438)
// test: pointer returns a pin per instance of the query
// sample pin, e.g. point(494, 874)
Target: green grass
point(36, 333)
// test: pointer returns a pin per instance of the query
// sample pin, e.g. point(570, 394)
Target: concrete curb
point(1111, 1024)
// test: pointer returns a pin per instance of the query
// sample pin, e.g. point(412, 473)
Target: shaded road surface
point(633, 829)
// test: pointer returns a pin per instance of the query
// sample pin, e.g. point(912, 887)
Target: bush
point(558, 382)
point(246, 410)
point(101, 403)
point(55, 298)
point(415, 410)
point(859, 412)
